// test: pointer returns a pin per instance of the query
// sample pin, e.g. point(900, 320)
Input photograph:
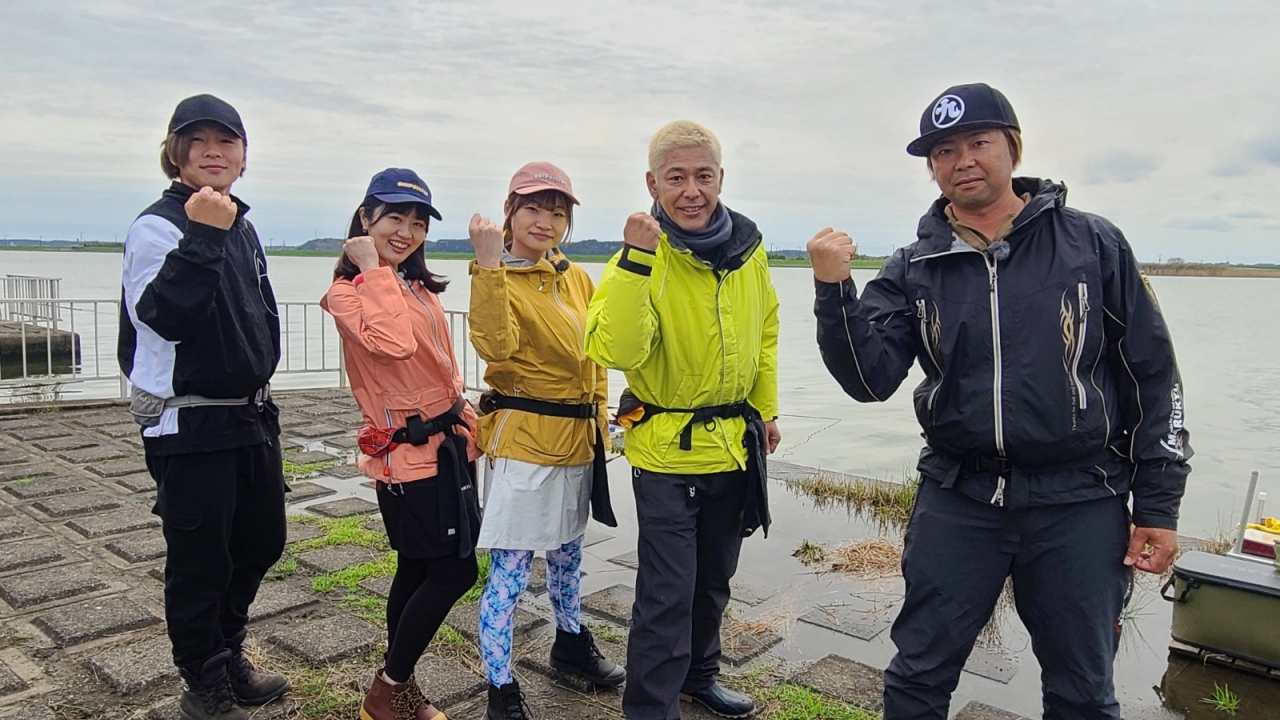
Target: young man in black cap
point(1051, 395)
point(199, 341)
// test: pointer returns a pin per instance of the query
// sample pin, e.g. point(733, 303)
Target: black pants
point(224, 525)
point(688, 551)
point(1070, 585)
point(422, 594)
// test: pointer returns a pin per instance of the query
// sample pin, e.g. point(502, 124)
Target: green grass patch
point(26, 480)
point(448, 636)
point(792, 702)
point(343, 531)
point(288, 565)
point(370, 608)
point(1223, 700)
point(482, 578)
point(349, 578)
point(608, 633)
point(293, 470)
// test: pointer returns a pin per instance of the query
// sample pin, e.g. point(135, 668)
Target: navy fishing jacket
point(1050, 375)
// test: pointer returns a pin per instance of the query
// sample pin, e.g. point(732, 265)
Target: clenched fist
point(642, 231)
point(486, 238)
point(362, 252)
point(212, 208)
point(830, 252)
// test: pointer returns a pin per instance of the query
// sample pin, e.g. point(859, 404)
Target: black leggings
point(422, 594)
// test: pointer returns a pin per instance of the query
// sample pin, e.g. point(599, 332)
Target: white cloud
point(814, 104)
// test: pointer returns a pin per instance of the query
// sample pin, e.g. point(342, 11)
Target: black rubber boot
point(251, 686)
point(507, 703)
point(208, 695)
point(578, 655)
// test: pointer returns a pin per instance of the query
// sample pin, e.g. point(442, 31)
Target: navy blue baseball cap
point(401, 185)
point(961, 108)
point(201, 108)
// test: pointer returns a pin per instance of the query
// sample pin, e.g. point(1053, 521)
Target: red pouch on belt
point(375, 442)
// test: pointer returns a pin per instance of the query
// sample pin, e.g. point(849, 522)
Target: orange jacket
point(400, 362)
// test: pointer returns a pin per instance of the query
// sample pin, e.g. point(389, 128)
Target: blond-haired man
point(687, 309)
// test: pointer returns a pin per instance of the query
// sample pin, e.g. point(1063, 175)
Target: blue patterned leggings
point(509, 572)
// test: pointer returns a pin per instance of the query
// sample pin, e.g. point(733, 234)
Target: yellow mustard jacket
point(527, 325)
point(689, 335)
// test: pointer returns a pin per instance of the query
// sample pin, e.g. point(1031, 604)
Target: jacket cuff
point(206, 232)
point(833, 294)
point(475, 268)
point(1154, 520)
point(636, 260)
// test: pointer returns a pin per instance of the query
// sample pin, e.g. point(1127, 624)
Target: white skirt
point(533, 507)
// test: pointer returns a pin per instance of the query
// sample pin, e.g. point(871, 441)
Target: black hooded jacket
point(1046, 357)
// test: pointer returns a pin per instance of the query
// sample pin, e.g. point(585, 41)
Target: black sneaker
point(209, 695)
point(722, 701)
point(578, 655)
point(251, 686)
point(507, 703)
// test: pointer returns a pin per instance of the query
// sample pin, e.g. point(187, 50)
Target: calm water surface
point(1227, 346)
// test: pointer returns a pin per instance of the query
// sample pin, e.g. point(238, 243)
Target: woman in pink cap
point(543, 426)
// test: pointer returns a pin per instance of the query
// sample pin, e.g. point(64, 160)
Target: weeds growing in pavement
point(887, 503)
point(1223, 700)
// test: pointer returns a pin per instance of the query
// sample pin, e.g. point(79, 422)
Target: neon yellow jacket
point(690, 336)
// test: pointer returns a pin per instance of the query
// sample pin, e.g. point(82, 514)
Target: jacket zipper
point(1084, 326)
point(923, 315)
point(998, 381)
point(435, 331)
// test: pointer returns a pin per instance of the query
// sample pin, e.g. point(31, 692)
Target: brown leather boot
point(402, 701)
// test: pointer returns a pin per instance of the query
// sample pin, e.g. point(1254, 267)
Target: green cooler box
point(1226, 605)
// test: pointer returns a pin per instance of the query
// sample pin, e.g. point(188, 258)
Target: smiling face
point(537, 223)
point(397, 230)
point(215, 158)
point(687, 185)
point(974, 169)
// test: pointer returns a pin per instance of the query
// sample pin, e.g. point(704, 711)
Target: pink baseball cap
point(537, 176)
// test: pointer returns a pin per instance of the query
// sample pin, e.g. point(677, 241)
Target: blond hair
point(681, 134)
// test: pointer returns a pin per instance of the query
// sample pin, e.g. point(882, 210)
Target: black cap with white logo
point(200, 108)
point(961, 108)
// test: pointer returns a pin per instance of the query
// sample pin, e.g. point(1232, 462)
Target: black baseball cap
point(401, 185)
point(201, 108)
point(961, 108)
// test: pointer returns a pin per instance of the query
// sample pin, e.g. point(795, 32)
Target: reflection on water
point(1188, 682)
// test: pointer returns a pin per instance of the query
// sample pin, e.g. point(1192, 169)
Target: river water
point(1227, 347)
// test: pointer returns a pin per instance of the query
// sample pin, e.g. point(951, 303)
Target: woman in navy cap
point(418, 439)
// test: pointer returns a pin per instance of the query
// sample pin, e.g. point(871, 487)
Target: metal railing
point(29, 286)
point(53, 342)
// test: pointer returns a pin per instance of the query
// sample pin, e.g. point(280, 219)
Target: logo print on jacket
point(1173, 441)
point(947, 111)
point(1069, 343)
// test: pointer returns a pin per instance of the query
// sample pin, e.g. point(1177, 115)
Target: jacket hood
point(934, 230)
point(744, 240)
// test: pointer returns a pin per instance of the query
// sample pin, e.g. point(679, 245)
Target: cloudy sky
point(1162, 115)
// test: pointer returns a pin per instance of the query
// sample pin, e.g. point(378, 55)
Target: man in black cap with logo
point(1051, 398)
point(199, 341)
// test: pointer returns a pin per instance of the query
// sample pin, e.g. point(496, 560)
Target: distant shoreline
point(1153, 269)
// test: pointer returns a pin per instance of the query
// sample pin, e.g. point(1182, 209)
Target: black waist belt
point(492, 401)
point(601, 504)
point(706, 415)
point(417, 431)
point(998, 466)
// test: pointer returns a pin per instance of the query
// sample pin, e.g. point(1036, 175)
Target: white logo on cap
point(947, 111)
